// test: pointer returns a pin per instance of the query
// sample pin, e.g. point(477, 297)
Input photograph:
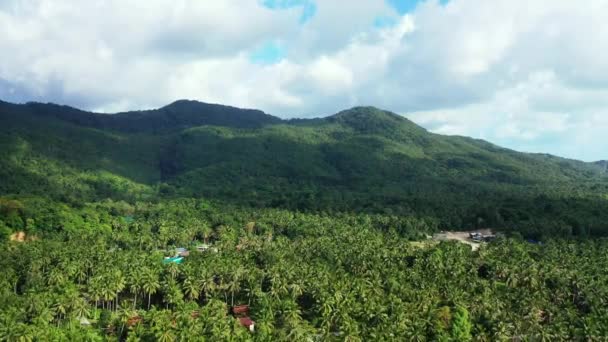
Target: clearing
point(465, 237)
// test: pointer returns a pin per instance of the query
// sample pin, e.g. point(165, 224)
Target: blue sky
point(308, 7)
point(270, 52)
point(404, 6)
point(408, 6)
point(528, 75)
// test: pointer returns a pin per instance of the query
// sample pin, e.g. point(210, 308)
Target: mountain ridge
point(358, 117)
point(175, 116)
point(360, 159)
point(347, 116)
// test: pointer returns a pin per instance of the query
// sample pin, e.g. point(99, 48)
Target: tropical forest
point(204, 222)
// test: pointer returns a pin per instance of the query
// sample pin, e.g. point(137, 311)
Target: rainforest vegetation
point(320, 226)
point(305, 276)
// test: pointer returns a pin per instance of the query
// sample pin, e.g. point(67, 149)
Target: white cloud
point(527, 74)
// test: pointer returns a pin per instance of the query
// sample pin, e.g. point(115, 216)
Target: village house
point(242, 313)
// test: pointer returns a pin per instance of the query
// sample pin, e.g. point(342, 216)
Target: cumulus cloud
point(530, 75)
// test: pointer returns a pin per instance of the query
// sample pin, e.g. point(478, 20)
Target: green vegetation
point(361, 280)
point(360, 160)
point(319, 225)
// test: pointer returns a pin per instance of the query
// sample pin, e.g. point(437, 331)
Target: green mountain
point(603, 164)
point(363, 159)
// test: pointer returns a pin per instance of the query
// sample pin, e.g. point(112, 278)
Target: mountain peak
point(193, 105)
point(603, 164)
point(374, 120)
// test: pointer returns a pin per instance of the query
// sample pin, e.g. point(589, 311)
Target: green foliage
point(462, 326)
point(363, 160)
point(319, 225)
point(5, 232)
point(305, 276)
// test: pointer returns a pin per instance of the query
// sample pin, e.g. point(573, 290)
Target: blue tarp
point(176, 260)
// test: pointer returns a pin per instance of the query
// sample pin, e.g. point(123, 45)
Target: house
point(240, 310)
point(477, 237)
point(203, 248)
point(206, 247)
point(182, 252)
point(247, 323)
point(485, 236)
point(242, 313)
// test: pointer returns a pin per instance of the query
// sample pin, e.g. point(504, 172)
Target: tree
point(136, 283)
point(192, 287)
point(150, 283)
point(5, 232)
point(461, 326)
point(204, 229)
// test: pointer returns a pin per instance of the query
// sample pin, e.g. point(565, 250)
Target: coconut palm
point(151, 283)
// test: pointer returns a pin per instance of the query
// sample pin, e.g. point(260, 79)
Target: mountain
point(603, 164)
point(178, 115)
point(361, 159)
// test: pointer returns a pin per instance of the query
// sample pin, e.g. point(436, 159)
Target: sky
point(531, 75)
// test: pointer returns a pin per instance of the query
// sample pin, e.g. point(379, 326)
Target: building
point(240, 310)
point(203, 248)
point(206, 247)
point(247, 323)
point(182, 252)
point(485, 236)
point(242, 313)
point(477, 237)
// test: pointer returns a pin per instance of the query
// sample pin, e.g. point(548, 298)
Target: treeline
point(532, 216)
point(41, 216)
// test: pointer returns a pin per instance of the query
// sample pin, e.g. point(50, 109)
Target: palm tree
point(19, 332)
point(94, 290)
point(125, 313)
point(150, 284)
point(44, 316)
point(118, 285)
point(192, 287)
point(136, 284)
point(172, 294)
point(235, 283)
point(56, 277)
point(173, 270)
point(161, 327)
point(60, 308)
point(207, 283)
point(206, 232)
point(80, 308)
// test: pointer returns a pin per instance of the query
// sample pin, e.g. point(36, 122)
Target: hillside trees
point(359, 160)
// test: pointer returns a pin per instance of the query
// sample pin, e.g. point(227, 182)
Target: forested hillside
point(360, 160)
point(199, 222)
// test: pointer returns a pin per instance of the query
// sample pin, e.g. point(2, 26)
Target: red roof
point(133, 320)
point(240, 309)
point(246, 321)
